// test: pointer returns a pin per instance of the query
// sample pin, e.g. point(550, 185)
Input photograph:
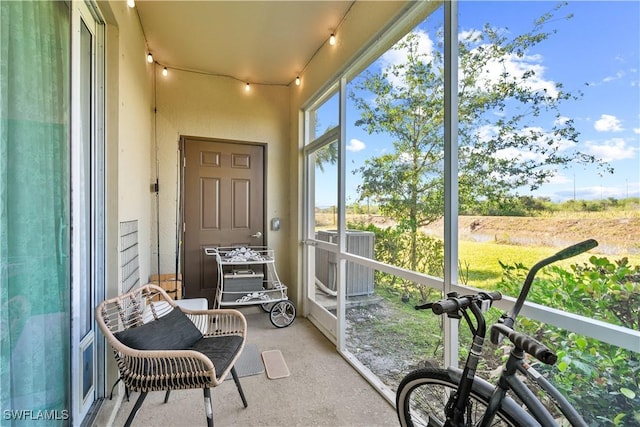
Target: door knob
point(257, 235)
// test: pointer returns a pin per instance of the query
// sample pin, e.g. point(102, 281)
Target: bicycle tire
point(421, 400)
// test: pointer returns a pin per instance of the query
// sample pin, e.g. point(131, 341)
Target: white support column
point(450, 171)
point(342, 218)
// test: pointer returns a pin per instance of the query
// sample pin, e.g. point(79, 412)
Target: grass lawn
point(481, 260)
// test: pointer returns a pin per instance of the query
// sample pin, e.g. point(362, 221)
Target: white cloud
point(516, 66)
point(561, 120)
point(516, 154)
point(599, 192)
point(594, 192)
point(608, 123)
point(471, 36)
point(404, 158)
point(611, 150)
point(486, 133)
point(560, 178)
point(355, 145)
point(617, 76)
point(493, 69)
point(397, 56)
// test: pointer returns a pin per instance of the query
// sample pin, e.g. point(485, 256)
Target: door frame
point(317, 313)
point(331, 325)
point(180, 222)
point(82, 404)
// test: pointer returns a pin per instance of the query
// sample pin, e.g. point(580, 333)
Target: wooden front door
point(223, 200)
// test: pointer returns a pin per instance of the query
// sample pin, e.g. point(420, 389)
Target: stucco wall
point(130, 94)
point(195, 104)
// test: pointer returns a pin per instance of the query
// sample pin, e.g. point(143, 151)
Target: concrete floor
point(322, 390)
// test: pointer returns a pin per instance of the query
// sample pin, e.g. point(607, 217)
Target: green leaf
point(562, 366)
point(628, 393)
point(618, 419)
point(581, 343)
point(583, 367)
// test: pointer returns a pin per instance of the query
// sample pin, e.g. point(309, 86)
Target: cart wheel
point(282, 314)
point(266, 307)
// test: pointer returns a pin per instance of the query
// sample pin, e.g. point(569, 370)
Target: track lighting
point(247, 87)
point(332, 39)
point(298, 81)
point(165, 71)
point(150, 58)
point(131, 3)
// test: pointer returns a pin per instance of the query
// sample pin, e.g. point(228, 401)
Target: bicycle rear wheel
point(423, 394)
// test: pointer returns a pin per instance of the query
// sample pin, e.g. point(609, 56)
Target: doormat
point(274, 364)
point(249, 362)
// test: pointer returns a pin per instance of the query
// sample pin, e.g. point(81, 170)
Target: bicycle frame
point(510, 381)
point(507, 403)
point(537, 413)
point(469, 372)
point(456, 308)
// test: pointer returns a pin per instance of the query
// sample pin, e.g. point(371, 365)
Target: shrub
point(597, 377)
point(392, 247)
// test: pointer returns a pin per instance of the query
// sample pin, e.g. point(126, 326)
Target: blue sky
point(596, 52)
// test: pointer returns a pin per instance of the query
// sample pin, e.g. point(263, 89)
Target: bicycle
point(458, 398)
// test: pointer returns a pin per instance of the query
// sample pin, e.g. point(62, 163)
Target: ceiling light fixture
point(247, 87)
point(298, 81)
point(150, 58)
point(131, 3)
point(165, 71)
point(332, 39)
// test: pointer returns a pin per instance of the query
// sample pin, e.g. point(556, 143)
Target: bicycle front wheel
point(423, 394)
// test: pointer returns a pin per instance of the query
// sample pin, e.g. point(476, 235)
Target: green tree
point(326, 155)
point(502, 144)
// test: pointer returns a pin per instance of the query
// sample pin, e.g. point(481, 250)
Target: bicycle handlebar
point(528, 344)
point(453, 304)
point(574, 250)
point(569, 252)
point(510, 319)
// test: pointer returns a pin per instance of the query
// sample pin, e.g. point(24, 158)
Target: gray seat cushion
point(173, 331)
point(220, 350)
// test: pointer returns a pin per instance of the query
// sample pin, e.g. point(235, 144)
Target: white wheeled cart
point(247, 276)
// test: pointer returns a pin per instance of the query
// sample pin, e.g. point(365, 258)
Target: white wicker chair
point(138, 317)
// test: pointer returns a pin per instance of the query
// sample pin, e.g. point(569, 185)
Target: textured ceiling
point(267, 42)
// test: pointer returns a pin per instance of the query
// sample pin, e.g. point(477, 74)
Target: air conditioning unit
point(359, 277)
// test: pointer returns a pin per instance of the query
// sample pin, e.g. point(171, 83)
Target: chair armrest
point(153, 370)
point(218, 322)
